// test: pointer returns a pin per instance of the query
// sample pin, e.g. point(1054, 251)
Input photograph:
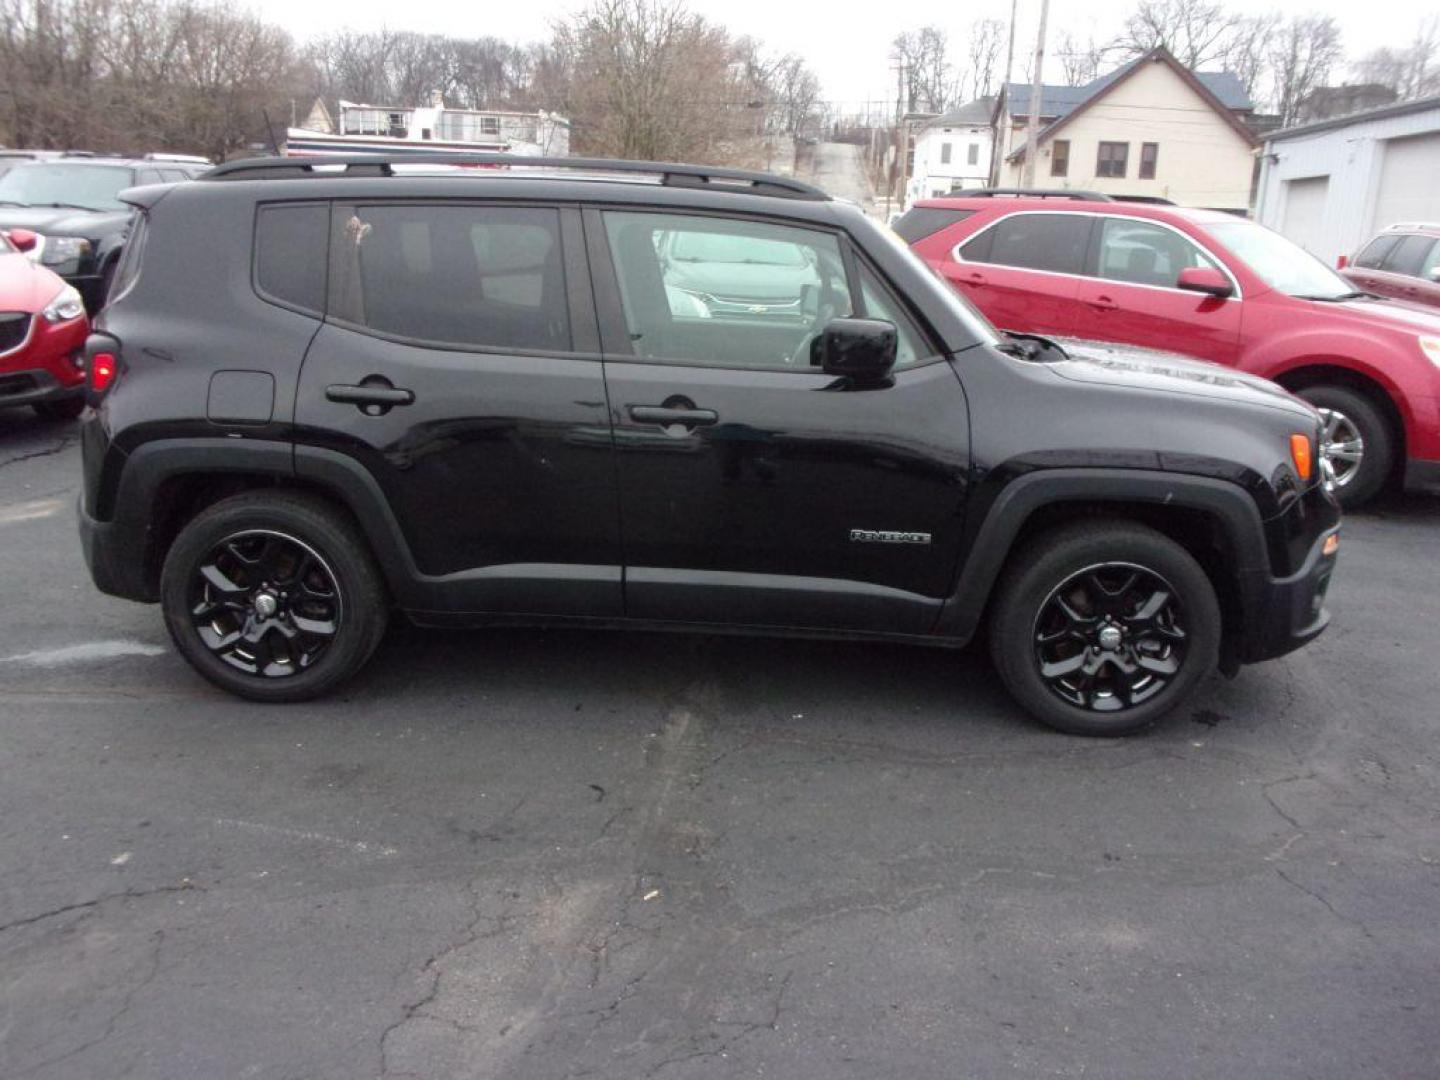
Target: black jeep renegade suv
point(326, 392)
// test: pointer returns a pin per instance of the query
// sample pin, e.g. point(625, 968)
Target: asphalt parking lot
point(551, 854)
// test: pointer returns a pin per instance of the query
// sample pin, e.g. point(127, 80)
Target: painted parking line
point(84, 653)
point(29, 511)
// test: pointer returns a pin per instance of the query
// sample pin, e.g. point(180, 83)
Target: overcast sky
point(847, 44)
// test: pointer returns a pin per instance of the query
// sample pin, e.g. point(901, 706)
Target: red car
point(1403, 262)
point(1214, 286)
point(42, 331)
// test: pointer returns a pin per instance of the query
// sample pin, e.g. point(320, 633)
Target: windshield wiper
point(12, 202)
point(1031, 347)
point(1334, 297)
point(69, 206)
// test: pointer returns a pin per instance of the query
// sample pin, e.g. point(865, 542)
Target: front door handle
point(375, 395)
point(973, 279)
point(667, 415)
point(1103, 303)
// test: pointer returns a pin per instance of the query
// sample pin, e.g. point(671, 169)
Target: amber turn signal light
point(1300, 455)
point(1332, 544)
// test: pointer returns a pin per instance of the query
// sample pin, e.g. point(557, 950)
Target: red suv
point(1210, 285)
point(1403, 262)
point(42, 331)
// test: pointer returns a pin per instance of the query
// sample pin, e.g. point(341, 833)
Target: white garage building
point(1330, 185)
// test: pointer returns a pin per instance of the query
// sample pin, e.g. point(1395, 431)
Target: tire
point(1345, 411)
point(1029, 626)
point(60, 408)
point(309, 560)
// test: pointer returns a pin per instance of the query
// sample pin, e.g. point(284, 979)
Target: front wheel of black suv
point(273, 596)
point(1102, 627)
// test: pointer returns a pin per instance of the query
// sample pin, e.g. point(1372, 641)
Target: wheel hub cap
point(266, 605)
point(1110, 638)
point(1341, 448)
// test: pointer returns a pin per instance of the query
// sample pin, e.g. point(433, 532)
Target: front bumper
point(34, 386)
point(1287, 613)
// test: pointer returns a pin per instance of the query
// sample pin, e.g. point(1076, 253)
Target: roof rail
point(1035, 193)
point(1148, 200)
point(687, 176)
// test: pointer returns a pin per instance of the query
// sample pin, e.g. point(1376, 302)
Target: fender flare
point(994, 540)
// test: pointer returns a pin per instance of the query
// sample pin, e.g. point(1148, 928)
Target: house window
point(1113, 158)
point(467, 127)
point(945, 153)
point(972, 155)
point(1149, 152)
point(1060, 157)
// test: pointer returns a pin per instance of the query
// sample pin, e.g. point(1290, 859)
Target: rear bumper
point(110, 552)
point(1421, 475)
point(1287, 613)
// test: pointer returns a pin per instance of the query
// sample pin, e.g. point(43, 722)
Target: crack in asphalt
point(91, 905)
point(747, 1028)
point(1347, 919)
point(64, 443)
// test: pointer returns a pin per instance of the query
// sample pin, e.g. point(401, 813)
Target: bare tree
point(1247, 54)
point(925, 67)
point(982, 59)
point(1196, 31)
point(1080, 63)
point(1305, 50)
point(1411, 72)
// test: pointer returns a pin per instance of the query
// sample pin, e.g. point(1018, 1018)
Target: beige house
point(1152, 128)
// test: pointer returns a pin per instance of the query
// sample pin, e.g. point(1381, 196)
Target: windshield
point(93, 187)
point(1279, 263)
point(725, 248)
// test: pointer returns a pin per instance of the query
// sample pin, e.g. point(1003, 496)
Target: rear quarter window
point(291, 254)
point(921, 221)
point(129, 268)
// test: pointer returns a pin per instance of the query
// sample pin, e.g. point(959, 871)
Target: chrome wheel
point(265, 603)
point(1341, 449)
point(1110, 637)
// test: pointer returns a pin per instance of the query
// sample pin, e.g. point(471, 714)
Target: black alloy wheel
point(265, 603)
point(273, 595)
point(1110, 637)
point(1103, 626)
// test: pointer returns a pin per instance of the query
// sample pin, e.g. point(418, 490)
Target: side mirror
point(1435, 274)
point(862, 350)
point(23, 239)
point(1205, 279)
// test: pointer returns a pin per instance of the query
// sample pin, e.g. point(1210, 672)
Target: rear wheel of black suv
point(273, 596)
point(1102, 627)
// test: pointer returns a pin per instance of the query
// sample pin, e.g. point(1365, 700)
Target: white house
point(432, 129)
point(1331, 184)
point(952, 151)
point(1152, 128)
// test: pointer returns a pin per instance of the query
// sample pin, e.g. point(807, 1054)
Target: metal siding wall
point(1353, 158)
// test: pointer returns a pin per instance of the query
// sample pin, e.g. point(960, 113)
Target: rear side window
point(921, 221)
point(291, 245)
point(1054, 242)
point(1408, 256)
point(482, 277)
point(1375, 251)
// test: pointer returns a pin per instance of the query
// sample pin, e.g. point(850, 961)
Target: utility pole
point(1032, 123)
point(997, 150)
point(897, 163)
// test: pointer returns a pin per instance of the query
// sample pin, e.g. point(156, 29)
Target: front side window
point(1054, 242)
point(1408, 256)
point(1375, 251)
point(478, 277)
point(1112, 159)
point(1146, 254)
point(1149, 158)
point(1060, 158)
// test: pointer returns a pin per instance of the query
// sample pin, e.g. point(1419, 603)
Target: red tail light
point(1342, 262)
point(102, 371)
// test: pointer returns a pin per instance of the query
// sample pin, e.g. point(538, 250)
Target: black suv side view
point(328, 392)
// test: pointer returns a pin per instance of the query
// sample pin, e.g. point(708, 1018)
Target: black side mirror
point(862, 350)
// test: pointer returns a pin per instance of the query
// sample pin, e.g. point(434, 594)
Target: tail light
point(1342, 262)
point(102, 365)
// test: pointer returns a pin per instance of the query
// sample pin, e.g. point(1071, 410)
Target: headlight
point(55, 250)
point(1430, 346)
point(67, 305)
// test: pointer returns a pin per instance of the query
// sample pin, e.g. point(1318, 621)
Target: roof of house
point(979, 111)
point(1058, 104)
point(1384, 112)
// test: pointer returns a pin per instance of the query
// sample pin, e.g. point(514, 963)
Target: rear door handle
point(667, 415)
point(973, 279)
point(375, 395)
point(1103, 303)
